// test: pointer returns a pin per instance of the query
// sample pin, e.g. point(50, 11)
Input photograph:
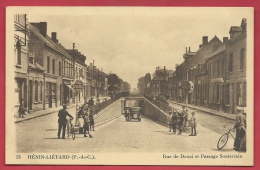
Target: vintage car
point(135, 113)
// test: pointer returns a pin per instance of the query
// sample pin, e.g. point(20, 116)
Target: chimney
point(225, 39)
point(204, 40)
point(189, 49)
point(54, 36)
point(200, 46)
point(43, 28)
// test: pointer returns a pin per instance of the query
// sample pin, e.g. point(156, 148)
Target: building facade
point(21, 39)
point(236, 67)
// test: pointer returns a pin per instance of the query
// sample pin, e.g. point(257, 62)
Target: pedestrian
point(169, 117)
point(80, 120)
point(86, 125)
point(126, 112)
point(92, 121)
point(180, 121)
point(21, 109)
point(174, 122)
point(193, 124)
point(240, 129)
point(91, 102)
point(63, 113)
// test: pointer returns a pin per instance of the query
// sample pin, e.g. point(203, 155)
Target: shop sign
point(187, 86)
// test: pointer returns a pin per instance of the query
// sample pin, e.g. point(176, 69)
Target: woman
point(80, 120)
point(91, 118)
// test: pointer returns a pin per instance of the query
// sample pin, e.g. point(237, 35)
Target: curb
point(203, 111)
point(40, 115)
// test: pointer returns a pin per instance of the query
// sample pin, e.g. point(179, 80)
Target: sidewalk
point(210, 111)
point(40, 113)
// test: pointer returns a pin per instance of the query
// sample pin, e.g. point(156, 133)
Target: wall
point(112, 111)
point(154, 112)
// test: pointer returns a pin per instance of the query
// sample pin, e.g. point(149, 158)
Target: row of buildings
point(45, 71)
point(213, 77)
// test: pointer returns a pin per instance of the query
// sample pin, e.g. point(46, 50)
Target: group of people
point(85, 119)
point(179, 120)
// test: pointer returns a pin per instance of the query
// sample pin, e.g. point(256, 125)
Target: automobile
point(135, 113)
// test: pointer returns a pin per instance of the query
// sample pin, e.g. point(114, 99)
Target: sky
point(133, 41)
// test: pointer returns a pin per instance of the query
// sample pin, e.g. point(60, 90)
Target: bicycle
point(224, 138)
point(70, 129)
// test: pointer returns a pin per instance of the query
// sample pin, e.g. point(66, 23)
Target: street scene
point(150, 80)
point(119, 135)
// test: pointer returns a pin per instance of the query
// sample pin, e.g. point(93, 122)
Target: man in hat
point(180, 119)
point(63, 113)
point(240, 129)
point(21, 109)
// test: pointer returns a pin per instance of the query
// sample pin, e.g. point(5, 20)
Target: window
point(211, 70)
point(18, 54)
point(230, 63)
point(227, 94)
point(36, 91)
point(41, 91)
point(48, 64)
point(219, 67)
point(242, 58)
point(53, 66)
point(59, 68)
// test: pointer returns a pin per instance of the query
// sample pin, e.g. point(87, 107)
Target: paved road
point(40, 135)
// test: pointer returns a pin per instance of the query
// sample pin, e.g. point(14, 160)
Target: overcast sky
point(133, 41)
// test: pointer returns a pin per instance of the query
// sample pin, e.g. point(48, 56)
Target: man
point(91, 102)
point(174, 122)
point(21, 109)
point(240, 129)
point(86, 125)
point(63, 121)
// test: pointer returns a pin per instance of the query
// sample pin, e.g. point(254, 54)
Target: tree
point(114, 83)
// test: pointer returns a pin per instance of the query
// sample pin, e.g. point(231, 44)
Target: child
point(193, 124)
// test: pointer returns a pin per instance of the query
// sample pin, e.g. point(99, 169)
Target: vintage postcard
point(129, 86)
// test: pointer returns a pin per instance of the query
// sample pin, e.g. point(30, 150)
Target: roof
point(36, 66)
point(48, 41)
point(219, 50)
point(235, 29)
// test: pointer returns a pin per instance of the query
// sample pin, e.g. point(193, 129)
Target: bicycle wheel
point(73, 133)
point(222, 141)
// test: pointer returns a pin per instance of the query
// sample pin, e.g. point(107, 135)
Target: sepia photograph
point(130, 86)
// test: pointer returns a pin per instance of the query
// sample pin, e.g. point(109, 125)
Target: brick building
point(48, 56)
point(236, 67)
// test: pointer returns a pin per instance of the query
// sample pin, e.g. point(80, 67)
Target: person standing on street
point(174, 122)
point(86, 125)
point(92, 121)
point(193, 124)
point(240, 129)
point(169, 117)
point(63, 113)
point(180, 121)
point(80, 120)
point(21, 109)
